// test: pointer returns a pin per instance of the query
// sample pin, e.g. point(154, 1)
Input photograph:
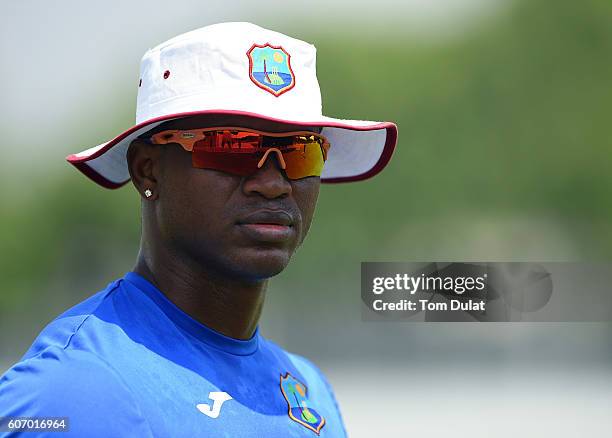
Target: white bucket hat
point(240, 69)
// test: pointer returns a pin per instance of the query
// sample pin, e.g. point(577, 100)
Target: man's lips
point(268, 225)
point(271, 217)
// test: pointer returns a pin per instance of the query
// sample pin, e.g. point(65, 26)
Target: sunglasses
point(241, 151)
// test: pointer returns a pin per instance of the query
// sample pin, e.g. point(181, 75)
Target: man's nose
point(269, 180)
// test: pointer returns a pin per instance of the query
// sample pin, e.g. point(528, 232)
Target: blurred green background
point(504, 150)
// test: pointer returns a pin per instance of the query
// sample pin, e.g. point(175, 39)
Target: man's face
point(244, 227)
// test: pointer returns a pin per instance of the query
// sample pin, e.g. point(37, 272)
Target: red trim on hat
point(95, 176)
point(80, 162)
point(382, 162)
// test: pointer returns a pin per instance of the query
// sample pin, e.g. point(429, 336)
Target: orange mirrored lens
point(305, 159)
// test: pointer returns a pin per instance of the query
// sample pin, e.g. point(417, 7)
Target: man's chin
point(262, 263)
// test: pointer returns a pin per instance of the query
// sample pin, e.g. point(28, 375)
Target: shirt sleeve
point(73, 384)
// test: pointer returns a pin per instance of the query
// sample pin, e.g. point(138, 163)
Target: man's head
point(236, 74)
point(244, 227)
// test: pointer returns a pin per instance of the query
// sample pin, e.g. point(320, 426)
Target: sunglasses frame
point(194, 135)
point(188, 138)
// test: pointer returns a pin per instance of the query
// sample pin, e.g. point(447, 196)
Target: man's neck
point(230, 307)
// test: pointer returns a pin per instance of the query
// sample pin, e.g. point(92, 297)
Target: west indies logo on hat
point(295, 394)
point(270, 68)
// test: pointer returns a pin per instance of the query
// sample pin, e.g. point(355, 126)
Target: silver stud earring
point(148, 193)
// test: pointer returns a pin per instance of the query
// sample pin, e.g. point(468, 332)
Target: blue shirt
point(128, 362)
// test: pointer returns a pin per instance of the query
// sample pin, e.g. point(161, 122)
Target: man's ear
point(144, 166)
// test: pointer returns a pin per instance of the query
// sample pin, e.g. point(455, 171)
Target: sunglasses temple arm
point(173, 136)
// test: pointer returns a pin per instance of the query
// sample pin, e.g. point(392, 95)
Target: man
point(228, 153)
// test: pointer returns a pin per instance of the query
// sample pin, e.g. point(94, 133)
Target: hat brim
point(359, 149)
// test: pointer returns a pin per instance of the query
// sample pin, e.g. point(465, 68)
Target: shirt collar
point(200, 331)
